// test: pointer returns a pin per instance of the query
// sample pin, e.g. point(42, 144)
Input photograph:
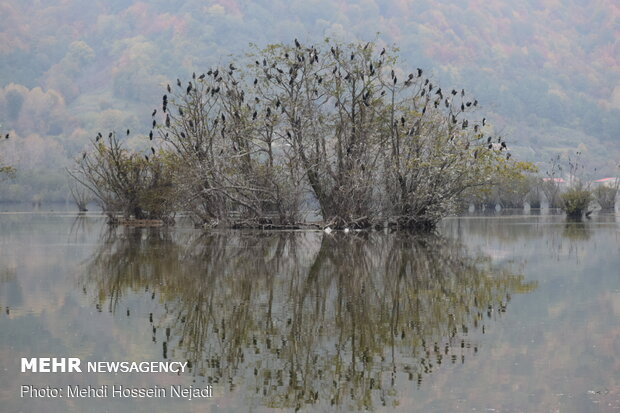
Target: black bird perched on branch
point(189, 87)
point(202, 76)
point(254, 115)
point(167, 121)
point(484, 121)
point(127, 132)
point(154, 112)
point(151, 135)
point(154, 123)
point(6, 136)
point(146, 157)
point(168, 88)
point(179, 82)
point(297, 43)
point(153, 150)
point(419, 72)
point(382, 52)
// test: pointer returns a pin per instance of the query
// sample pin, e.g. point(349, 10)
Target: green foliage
point(512, 183)
point(575, 201)
point(338, 123)
point(606, 196)
point(126, 182)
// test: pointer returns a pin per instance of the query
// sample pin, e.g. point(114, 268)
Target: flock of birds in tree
point(295, 60)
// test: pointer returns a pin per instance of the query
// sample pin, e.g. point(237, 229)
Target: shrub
point(575, 201)
point(606, 196)
point(134, 185)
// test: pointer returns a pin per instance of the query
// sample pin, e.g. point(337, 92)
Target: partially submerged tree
point(127, 183)
point(5, 170)
point(337, 124)
point(550, 184)
point(334, 124)
point(576, 199)
point(605, 195)
point(230, 168)
point(80, 194)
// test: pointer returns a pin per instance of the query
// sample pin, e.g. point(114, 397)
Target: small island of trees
point(336, 127)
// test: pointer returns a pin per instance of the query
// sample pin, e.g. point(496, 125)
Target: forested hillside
point(547, 72)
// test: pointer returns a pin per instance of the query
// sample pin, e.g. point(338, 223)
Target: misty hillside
point(547, 72)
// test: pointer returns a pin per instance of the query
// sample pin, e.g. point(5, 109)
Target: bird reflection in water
point(298, 318)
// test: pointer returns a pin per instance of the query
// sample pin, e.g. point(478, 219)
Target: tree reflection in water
point(301, 318)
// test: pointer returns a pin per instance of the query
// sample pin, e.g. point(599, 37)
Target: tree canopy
point(260, 139)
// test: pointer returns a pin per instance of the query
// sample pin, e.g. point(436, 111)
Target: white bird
point(328, 230)
point(346, 230)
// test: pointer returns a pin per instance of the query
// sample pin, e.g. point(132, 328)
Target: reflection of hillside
point(303, 318)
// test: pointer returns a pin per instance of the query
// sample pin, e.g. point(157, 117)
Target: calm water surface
point(513, 313)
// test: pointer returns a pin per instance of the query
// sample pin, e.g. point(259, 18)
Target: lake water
point(502, 313)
